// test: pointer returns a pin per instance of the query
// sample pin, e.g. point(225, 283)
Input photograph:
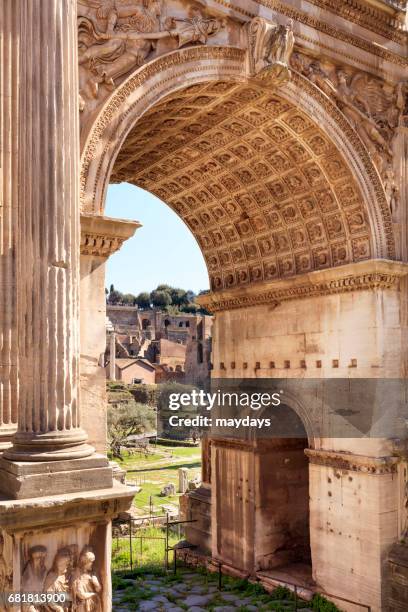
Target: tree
point(160, 299)
point(190, 308)
point(143, 300)
point(115, 297)
point(129, 299)
point(166, 288)
point(179, 297)
point(128, 420)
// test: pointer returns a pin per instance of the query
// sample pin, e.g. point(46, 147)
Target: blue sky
point(162, 251)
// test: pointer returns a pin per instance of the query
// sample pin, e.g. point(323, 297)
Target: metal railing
point(135, 544)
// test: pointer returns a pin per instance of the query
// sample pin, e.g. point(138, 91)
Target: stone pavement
point(195, 592)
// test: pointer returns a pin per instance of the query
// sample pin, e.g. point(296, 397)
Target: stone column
point(9, 84)
point(183, 480)
point(49, 236)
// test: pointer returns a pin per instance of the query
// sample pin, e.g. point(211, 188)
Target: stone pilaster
point(49, 237)
point(9, 84)
point(100, 238)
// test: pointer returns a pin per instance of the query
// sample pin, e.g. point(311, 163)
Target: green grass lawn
point(148, 549)
point(153, 471)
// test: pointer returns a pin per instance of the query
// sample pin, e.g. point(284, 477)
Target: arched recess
point(308, 197)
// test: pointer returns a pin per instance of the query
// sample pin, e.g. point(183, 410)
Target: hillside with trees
point(171, 299)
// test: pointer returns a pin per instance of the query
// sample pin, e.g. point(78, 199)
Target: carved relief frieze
point(6, 569)
point(378, 19)
point(70, 571)
point(374, 107)
point(118, 36)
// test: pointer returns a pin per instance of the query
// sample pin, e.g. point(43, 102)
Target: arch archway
point(299, 170)
point(274, 183)
point(282, 537)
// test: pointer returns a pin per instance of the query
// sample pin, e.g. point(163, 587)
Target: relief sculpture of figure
point(402, 103)
point(391, 189)
point(373, 107)
point(279, 45)
point(358, 112)
point(58, 578)
point(270, 48)
point(107, 55)
point(6, 576)
point(86, 588)
point(131, 34)
point(194, 29)
point(34, 574)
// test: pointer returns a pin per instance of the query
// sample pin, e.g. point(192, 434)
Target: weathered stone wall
point(356, 334)
point(353, 522)
point(282, 500)
point(355, 508)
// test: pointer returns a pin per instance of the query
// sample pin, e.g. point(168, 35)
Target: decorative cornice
point(382, 21)
point(103, 236)
point(330, 30)
point(362, 276)
point(353, 463)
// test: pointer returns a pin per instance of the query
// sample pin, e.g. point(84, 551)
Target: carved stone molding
point(229, 443)
point(353, 463)
point(385, 21)
point(363, 276)
point(103, 236)
point(327, 28)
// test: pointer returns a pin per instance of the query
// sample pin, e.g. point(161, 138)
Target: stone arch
point(291, 401)
point(351, 189)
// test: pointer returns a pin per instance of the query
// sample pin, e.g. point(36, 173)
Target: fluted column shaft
point(9, 80)
point(49, 237)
